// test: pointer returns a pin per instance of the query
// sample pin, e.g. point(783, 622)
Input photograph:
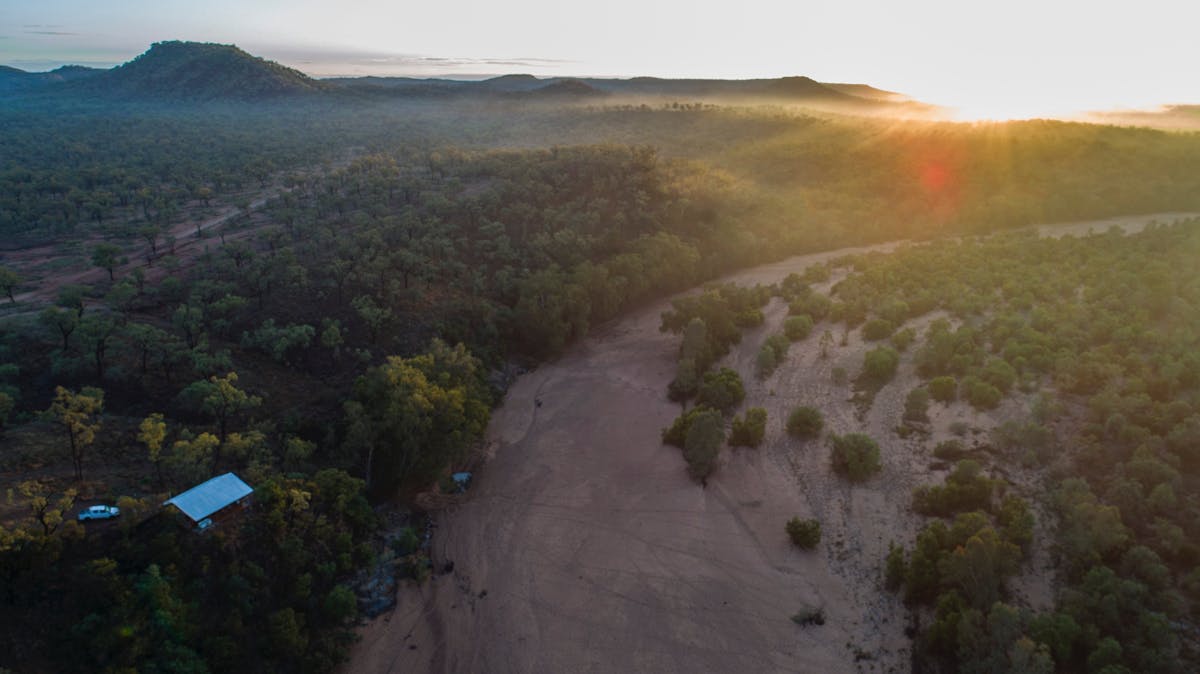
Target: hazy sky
point(1012, 56)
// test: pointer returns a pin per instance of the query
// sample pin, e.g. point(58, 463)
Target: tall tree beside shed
point(222, 401)
point(78, 414)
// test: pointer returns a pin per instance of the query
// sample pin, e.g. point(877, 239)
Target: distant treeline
point(807, 181)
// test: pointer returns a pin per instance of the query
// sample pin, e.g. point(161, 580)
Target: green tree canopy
point(106, 256)
point(78, 413)
point(221, 400)
point(748, 429)
point(705, 435)
point(805, 534)
point(879, 365)
point(722, 390)
point(805, 422)
point(855, 456)
point(412, 417)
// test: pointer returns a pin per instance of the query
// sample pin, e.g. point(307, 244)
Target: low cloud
point(402, 60)
point(48, 32)
point(330, 62)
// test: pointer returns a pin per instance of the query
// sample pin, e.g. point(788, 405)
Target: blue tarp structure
point(210, 497)
point(461, 480)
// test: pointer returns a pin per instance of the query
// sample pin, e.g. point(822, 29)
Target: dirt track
point(584, 546)
point(186, 249)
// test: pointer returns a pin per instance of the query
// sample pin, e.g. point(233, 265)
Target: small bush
point(966, 489)
point(809, 616)
point(722, 390)
point(894, 311)
point(798, 327)
point(916, 405)
point(902, 339)
point(1012, 435)
point(950, 450)
point(416, 567)
point(855, 456)
point(812, 304)
point(793, 286)
point(748, 430)
point(877, 329)
point(1016, 521)
point(773, 352)
point(766, 362)
point(805, 534)
point(676, 434)
point(981, 395)
point(805, 422)
point(686, 381)
point(879, 365)
point(943, 389)
point(702, 445)
point(748, 318)
point(852, 313)
point(816, 273)
point(1000, 374)
point(406, 542)
point(826, 343)
point(779, 344)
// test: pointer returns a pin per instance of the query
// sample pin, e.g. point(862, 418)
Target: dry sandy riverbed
point(584, 546)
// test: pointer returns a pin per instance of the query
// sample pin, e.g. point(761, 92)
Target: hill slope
point(200, 71)
point(568, 88)
point(15, 79)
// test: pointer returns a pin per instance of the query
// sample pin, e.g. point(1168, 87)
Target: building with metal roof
point(209, 498)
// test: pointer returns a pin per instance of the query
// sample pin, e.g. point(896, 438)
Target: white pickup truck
point(99, 512)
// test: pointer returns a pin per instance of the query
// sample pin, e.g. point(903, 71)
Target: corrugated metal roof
point(207, 498)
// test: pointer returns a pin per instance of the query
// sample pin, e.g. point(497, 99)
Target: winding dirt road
point(46, 289)
point(584, 547)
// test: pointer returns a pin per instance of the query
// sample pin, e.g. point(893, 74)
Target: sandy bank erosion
point(584, 546)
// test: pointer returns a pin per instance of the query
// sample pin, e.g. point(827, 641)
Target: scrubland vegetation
point(1097, 335)
point(1104, 328)
point(343, 344)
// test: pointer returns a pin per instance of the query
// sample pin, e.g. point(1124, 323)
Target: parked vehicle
point(99, 512)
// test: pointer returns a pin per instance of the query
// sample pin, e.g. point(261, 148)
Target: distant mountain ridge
point(525, 87)
point(15, 79)
point(195, 71)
